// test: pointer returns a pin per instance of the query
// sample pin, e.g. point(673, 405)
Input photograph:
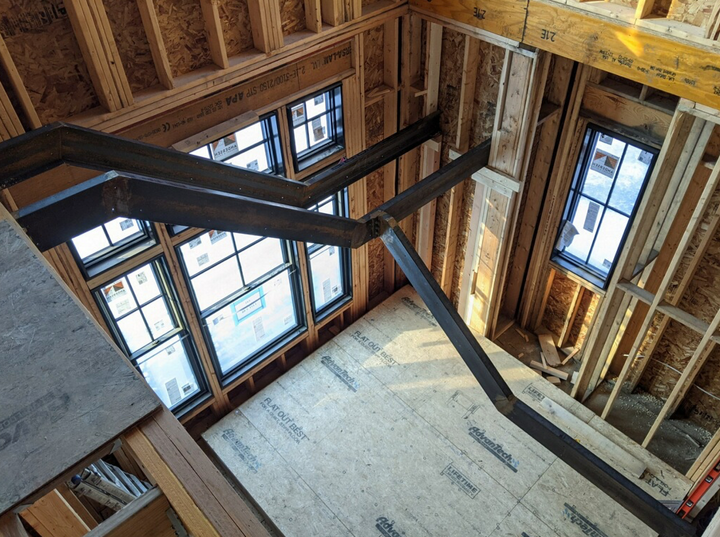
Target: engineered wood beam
point(213, 27)
point(157, 45)
point(266, 25)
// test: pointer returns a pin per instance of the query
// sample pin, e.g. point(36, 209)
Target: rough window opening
point(317, 127)
point(141, 310)
point(329, 266)
point(608, 183)
point(246, 292)
point(112, 243)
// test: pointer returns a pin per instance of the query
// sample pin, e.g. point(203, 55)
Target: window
point(246, 290)
point(609, 180)
point(146, 322)
point(317, 127)
point(329, 266)
point(108, 245)
point(255, 147)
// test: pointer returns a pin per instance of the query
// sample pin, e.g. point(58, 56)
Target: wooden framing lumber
point(143, 517)
point(313, 15)
point(98, 66)
point(615, 302)
point(549, 350)
point(333, 12)
point(390, 108)
point(549, 370)
point(213, 27)
point(11, 526)
point(52, 516)
point(430, 158)
point(18, 86)
point(157, 45)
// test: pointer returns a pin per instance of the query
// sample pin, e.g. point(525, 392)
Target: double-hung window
point(112, 243)
point(143, 314)
point(246, 290)
point(255, 147)
point(329, 266)
point(609, 181)
point(317, 127)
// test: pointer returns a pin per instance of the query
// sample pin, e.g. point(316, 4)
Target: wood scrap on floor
point(570, 356)
point(549, 350)
point(549, 370)
point(523, 335)
point(553, 380)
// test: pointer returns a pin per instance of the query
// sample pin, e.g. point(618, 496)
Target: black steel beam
point(337, 177)
point(54, 221)
point(653, 513)
point(435, 184)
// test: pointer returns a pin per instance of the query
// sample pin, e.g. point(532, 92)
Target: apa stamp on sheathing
point(284, 420)
point(419, 310)
point(373, 347)
point(387, 527)
point(459, 479)
point(340, 373)
point(494, 447)
point(242, 450)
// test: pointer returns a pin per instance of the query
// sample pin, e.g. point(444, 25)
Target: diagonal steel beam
point(594, 469)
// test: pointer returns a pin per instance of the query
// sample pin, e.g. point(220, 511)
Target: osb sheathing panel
point(694, 12)
point(701, 404)
point(451, 62)
point(132, 43)
point(486, 92)
point(374, 130)
point(559, 303)
point(235, 20)
point(373, 40)
point(713, 146)
point(183, 31)
point(48, 58)
point(7, 86)
point(583, 319)
point(292, 13)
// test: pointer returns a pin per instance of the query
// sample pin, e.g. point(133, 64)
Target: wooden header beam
point(681, 68)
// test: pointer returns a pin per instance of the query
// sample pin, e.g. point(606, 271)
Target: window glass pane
point(122, 228)
point(144, 284)
point(319, 131)
point(253, 321)
point(206, 250)
point(327, 208)
point(630, 179)
point(610, 234)
point(252, 159)
point(90, 242)
point(158, 318)
point(300, 139)
point(250, 135)
point(168, 372)
point(203, 152)
point(317, 105)
point(326, 270)
point(134, 331)
point(118, 298)
point(261, 259)
point(586, 220)
point(217, 283)
point(242, 240)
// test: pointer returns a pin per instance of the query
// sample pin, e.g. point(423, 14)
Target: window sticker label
point(318, 130)
point(173, 391)
point(117, 294)
point(645, 157)
point(141, 278)
point(195, 243)
point(126, 224)
point(224, 147)
point(216, 236)
point(247, 305)
point(591, 217)
point(202, 259)
point(566, 237)
point(606, 139)
point(253, 165)
point(258, 328)
point(319, 99)
point(326, 290)
point(298, 115)
point(604, 163)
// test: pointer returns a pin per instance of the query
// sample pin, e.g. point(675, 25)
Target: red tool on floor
point(701, 494)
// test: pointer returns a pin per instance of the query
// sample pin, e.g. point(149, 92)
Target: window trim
point(161, 270)
point(291, 266)
point(312, 155)
point(570, 262)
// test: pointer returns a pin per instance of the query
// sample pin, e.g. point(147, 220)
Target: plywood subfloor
point(384, 430)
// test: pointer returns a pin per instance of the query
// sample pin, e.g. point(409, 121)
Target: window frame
point(112, 256)
point(568, 261)
point(340, 201)
point(161, 271)
point(290, 255)
point(336, 143)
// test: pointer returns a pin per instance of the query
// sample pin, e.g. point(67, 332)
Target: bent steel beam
point(48, 147)
point(653, 513)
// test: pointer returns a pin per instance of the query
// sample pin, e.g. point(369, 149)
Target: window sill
point(336, 307)
point(578, 275)
point(313, 163)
